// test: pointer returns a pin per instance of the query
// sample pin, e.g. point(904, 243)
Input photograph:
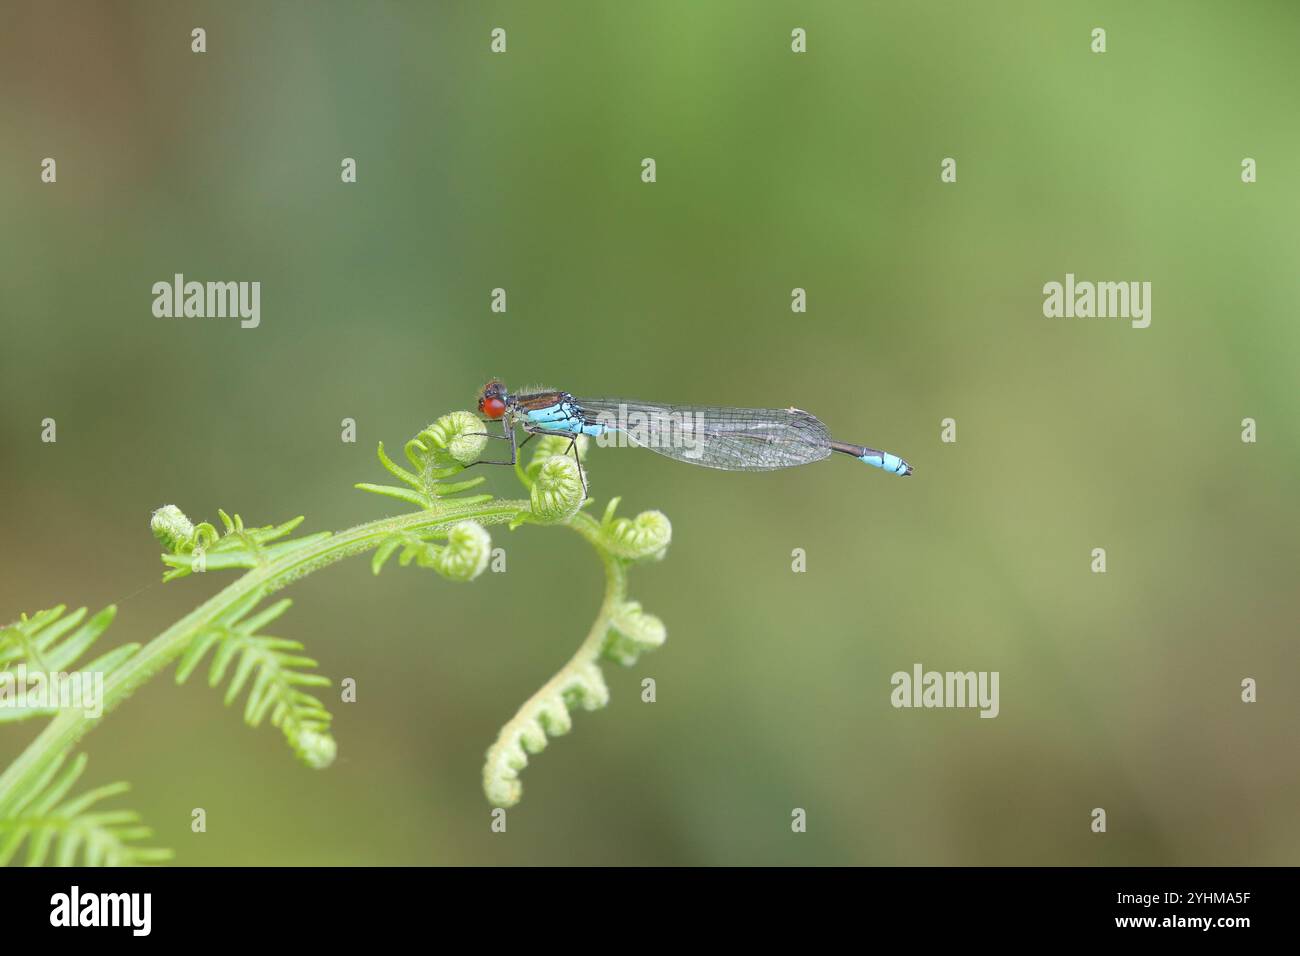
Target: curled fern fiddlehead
point(463, 557)
point(642, 538)
point(436, 454)
point(206, 550)
point(557, 492)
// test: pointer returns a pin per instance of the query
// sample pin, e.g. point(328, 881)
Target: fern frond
point(277, 672)
point(37, 655)
point(439, 452)
point(198, 548)
point(66, 832)
point(271, 671)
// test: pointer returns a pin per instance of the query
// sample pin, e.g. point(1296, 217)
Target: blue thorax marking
point(564, 418)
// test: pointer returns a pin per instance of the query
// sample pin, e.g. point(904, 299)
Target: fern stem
point(69, 726)
point(590, 650)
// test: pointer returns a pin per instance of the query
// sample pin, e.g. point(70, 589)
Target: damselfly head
point(492, 399)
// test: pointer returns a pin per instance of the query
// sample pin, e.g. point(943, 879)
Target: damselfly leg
point(573, 448)
point(509, 436)
point(508, 427)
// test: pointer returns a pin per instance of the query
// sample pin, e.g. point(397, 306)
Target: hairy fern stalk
point(41, 822)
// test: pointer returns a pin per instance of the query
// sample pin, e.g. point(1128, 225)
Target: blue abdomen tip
point(887, 462)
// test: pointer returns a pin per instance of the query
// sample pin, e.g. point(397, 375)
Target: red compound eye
point(493, 408)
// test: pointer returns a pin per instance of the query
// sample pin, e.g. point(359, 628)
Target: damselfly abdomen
point(732, 439)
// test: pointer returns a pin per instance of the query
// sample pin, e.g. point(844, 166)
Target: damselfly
point(732, 439)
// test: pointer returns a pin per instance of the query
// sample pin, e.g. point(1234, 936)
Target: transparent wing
point(732, 439)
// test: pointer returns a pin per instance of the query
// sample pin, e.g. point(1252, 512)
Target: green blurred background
point(775, 170)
